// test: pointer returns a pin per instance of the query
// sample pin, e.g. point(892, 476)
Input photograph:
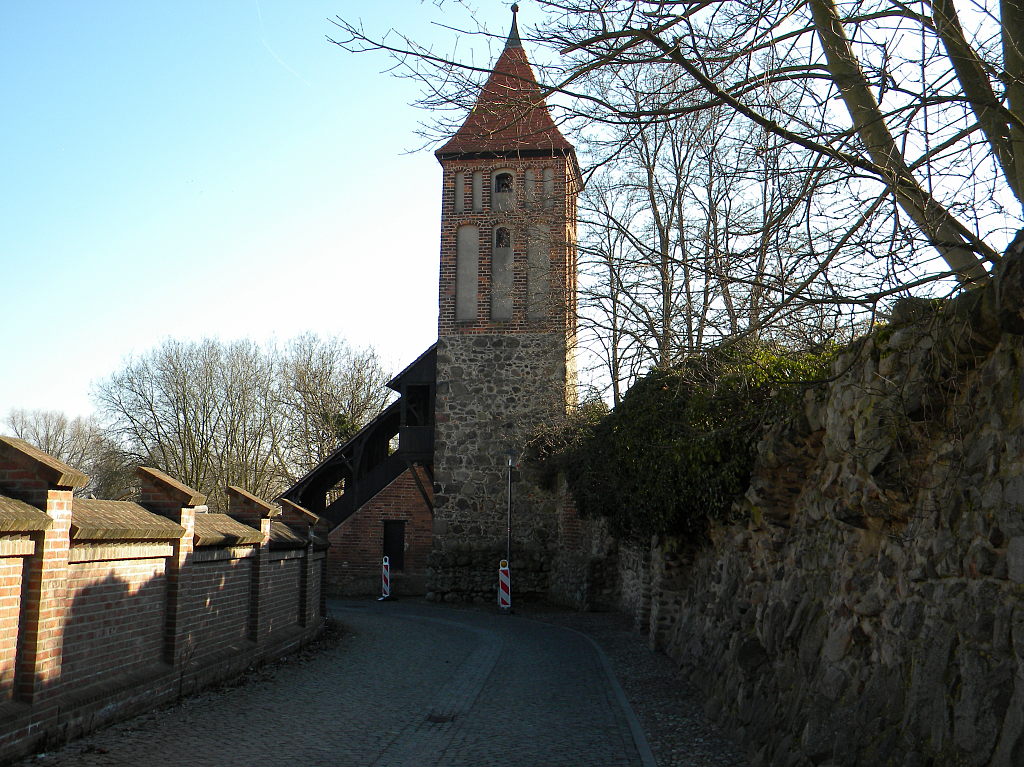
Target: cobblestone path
point(409, 685)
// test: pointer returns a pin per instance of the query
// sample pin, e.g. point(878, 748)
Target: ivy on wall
point(679, 448)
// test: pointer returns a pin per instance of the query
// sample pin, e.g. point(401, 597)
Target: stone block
point(837, 643)
point(1015, 559)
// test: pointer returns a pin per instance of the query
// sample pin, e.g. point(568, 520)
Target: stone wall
point(469, 573)
point(867, 606)
point(635, 581)
point(493, 392)
point(585, 569)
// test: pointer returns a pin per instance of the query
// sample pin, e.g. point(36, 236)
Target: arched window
point(501, 275)
point(502, 190)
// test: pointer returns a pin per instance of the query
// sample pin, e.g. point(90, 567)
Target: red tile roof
point(510, 114)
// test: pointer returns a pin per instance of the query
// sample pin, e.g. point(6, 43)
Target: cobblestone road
point(409, 684)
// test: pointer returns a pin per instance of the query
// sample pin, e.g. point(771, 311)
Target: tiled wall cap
point(222, 530)
point(236, 492)
point(16, 516)
point(56, 472)
point(96, 520)
point(289, 505)
point(172, 487)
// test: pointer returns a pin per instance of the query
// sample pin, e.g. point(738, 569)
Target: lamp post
point(508, 520)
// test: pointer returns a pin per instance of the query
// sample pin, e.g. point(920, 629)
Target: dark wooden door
point(394, 543)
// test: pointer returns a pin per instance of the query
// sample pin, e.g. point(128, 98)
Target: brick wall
point(115, 620)
point(218, 605)
point(529, 208)
point(111, 608)
point(357, 544)
point(285, 580)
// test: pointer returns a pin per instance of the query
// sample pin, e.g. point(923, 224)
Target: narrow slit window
point(530, 187)
point(478, 191)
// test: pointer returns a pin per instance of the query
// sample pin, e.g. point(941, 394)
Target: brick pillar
point(300, 519)
point(255, 512)
point(38, 479)
point(259, 589)
point(307, 594)
point(45, 605)
point(313, 601)
point(164, 495)
point(177, 632)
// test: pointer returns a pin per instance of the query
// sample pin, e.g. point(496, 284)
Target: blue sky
point(182, 169)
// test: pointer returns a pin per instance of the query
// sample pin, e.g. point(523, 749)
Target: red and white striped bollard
point(385, 579)
point(504, 587)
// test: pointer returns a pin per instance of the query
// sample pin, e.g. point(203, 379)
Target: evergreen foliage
point(679, 448)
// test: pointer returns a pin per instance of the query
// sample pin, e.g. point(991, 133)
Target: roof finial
point(513, 34)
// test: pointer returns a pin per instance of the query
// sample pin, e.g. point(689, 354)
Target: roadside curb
point(643, 748)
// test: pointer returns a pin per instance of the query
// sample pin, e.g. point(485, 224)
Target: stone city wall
point(867, 607)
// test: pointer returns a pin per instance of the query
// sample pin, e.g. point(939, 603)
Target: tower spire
point(510, 115)
point(513, 34)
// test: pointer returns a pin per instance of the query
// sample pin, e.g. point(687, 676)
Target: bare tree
point(66, 439)
point(326, 391)
point(698, 233)
point(930, 108)
point(916, 108)
point(604, 325)
point(78, 442)
point(212, 413)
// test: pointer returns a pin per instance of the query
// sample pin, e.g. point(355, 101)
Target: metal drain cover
point(440, 718)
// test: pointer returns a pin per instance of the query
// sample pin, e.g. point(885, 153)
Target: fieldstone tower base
point(494, 391)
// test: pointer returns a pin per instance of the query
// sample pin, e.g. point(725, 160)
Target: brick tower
point(505, 332)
